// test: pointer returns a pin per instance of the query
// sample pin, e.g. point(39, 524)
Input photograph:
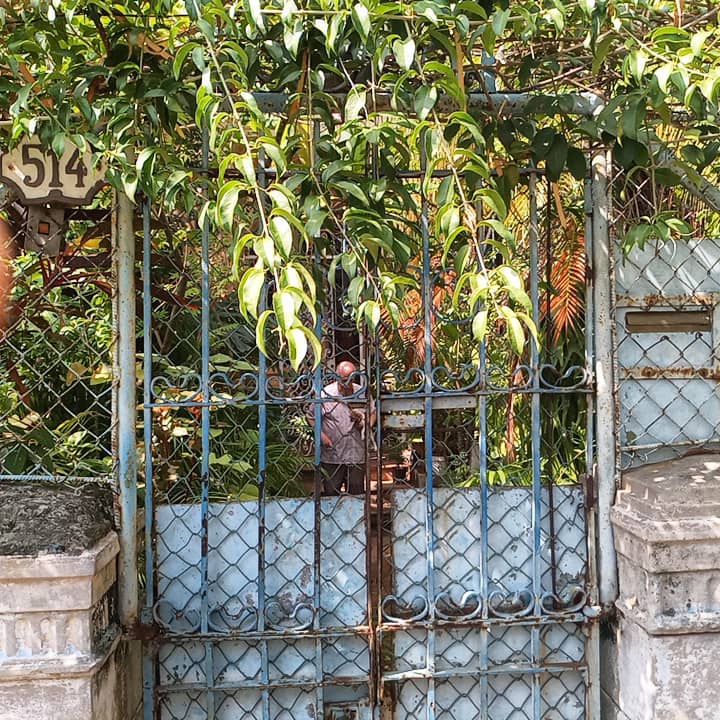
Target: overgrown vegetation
point(364, 81)
point(326, 126)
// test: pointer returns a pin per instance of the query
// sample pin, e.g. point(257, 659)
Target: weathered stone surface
point(57, 608)
point(61, 653)
point(49, 518)
point(667, 677)
point(609, 676)
point(661, 658)
point(668, 542)
point(59, 637)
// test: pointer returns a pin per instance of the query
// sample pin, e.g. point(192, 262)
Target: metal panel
point(458, 566)
point(233, 603)
point(668, 378)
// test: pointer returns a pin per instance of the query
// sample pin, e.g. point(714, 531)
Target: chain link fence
point(56, 348)
point(668, 351)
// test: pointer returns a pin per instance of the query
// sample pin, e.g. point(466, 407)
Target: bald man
point(342, 452)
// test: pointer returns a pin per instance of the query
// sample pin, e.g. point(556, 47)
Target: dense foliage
point(370, 90)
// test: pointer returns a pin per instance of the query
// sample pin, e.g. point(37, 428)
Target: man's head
point(344, 371)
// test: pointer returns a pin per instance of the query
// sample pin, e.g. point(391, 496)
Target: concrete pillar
point(661, 657)
point(62, 654)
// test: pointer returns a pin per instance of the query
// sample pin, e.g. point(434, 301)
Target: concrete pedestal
point(59, 635)
point(62, 656)
point(664, 651)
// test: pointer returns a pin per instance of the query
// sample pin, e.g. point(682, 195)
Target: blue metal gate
point(459, 583)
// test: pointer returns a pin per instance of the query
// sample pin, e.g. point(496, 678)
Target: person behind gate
point(342, 427)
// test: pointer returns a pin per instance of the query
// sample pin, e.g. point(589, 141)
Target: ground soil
point(47, 518)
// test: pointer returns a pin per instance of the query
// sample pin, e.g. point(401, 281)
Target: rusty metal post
point(604, 377)
point(125, 404)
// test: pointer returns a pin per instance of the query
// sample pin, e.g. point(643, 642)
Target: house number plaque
point(40, 176)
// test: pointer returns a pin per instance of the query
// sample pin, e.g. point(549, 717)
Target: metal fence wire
point(667, 330)
point(455, 582)
point(56, 349)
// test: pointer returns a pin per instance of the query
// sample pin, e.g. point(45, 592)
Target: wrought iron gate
point(460, 584)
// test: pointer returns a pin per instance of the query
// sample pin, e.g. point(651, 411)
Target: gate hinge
point(588, 482)
point(145, 631)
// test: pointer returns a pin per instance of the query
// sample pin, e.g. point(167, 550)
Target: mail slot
point(669, 321)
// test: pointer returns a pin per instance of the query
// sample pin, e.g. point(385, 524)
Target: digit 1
point(55, 179)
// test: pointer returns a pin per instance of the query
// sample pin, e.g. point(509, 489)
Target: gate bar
point(536, 445)
point(126, 381)
point(428, 440)
point(604, 378)
point(146, 616)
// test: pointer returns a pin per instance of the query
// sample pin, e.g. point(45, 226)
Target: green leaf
point(500, 229)
point(58, 144)
point(291, 278)
point(361, 21)
point(250, 290)
point(309, 281)
point(284, 306)
point(697, 42)
point(282, 236)
point(297, 346)
point(479, 325)
point(499, 21)
point(662, 74)
point(493, 200)
point(404, 51)
point(530, 325)
point(247, 167)
point(144, 155)
point(448, 219)
point(181, 56)
point(637, 236)
point(260, 331)
point(665, 176)
point(425, 99)
point(227, 201)
point(542, 142)
point(370, 312)
point(601, 51)
point(349, 262)
point(636, 62)
point(576, 163)
point(355, 102)
point(129, 183)
point(516, 334)
point(275, 153)
point(292, 35)
point(280, 199)
point(314, 344)
point(256, 14)
point(489, 38)
point(633, 118)
point(352, 189)
point(510, 276)
point(681, 227)
point(709, 86)
point(265, 249)
point(630, 152)
point(355, 289)
point(556, 157)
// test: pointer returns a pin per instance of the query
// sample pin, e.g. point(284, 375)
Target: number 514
point(34, 156)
